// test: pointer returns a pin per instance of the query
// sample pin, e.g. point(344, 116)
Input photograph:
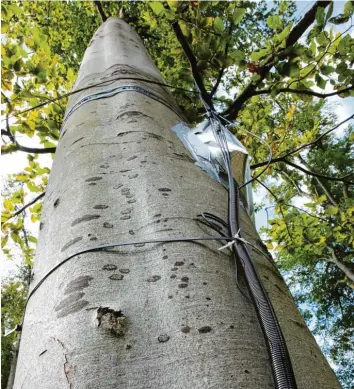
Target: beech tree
point(122, 146)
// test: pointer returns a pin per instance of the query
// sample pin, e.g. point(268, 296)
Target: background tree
point(256, 63)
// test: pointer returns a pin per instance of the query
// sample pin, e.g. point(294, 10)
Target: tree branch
point(221, 72)
point(193, 62)
point(26, 206)
point(305, 92)
point(100, 10)
point(31, 150)
point(47, 150)
point(250, 90)
point(340, 179)
point(345, 269)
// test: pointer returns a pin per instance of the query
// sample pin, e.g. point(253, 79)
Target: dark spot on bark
point(125, 217)
point(205, 283)
point(131, 114)
point(165, 194)
point(78, 284)
point(204, 330)
point(84, 218)
point(131, 158)
point(43, 352)
point(154, 136)
point(157, 221)
point(208, 298)
point(165, 257)
point(246, 371)
point(153, 278)
point(128, 346)
point(179, 263)
point(126, 211)
point(157, 215)
point(182, 285)
point(73, 297)
point(116, 277)
point(100, 207)
point(169, 296)
point(165, 220)
point(125, 191)
point(124, 170)
point(93, 238)
point(131, 176)
point(92, 183)
point(185, 329)
point(163, 338)
point(132, 121)
point(124, 271)
point(131, 232)
point(129, 196)
point(185, 279)
point(173, 276)
point(107, 225)
point(174, 268)
point(164, 190)
point(93, 179)
point(187, 297)
point(132, 201)
point(232, 327)
point(72, 308)
point(70, 243)
point(143, 161)
point(41, 225)
point(109, 266)
point(76, 141)
point(56, 202)
point(117, 186)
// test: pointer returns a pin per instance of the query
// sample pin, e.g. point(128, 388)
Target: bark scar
point(68, 367)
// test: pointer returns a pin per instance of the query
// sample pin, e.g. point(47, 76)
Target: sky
point(14, 163)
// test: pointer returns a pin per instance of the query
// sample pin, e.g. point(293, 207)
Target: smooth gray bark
point(119, 174)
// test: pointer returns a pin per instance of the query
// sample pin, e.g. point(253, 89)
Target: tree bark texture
point(121, 174)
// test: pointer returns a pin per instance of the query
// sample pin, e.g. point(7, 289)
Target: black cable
point(107, 82)
point(280, 359)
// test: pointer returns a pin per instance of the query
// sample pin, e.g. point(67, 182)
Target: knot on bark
point(111, 320)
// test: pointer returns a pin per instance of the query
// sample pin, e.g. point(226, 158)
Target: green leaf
point(331, 210)
point(8, 205)
point(219, 25)
point(238, 15)
point(32, 239)
point(321, 83)
point(274, 22)
point(4, 241)
point(340, 19)
point(325, 69)
point(36, 208)
point(283, 6)
point(15, 237)
point(157, 7)
point(330, 11)
point(257, 55)
point(320, 16)
point(237, 55)
point(32, 188)
point(349, 8)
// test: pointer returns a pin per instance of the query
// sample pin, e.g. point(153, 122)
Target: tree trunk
point(121, 174)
